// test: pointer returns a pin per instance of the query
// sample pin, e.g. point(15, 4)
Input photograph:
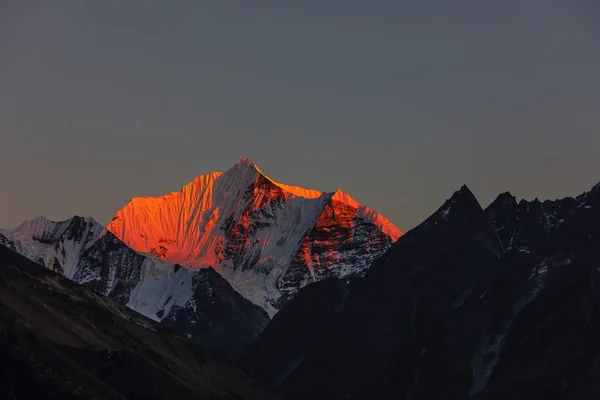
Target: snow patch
point(158, 294)
point(524, 250)
point(446, 212)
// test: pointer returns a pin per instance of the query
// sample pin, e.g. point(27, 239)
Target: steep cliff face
point(267, 239)
point(525, 225)
point(342, 244)
point(113, 269)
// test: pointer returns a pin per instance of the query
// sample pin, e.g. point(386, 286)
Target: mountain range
point(495, 303)
point(312, 294)
point(267, 239)
point(217, 258)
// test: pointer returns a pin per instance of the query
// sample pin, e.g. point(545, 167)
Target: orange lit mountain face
point(267, 239)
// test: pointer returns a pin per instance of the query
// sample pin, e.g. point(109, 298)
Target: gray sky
point(396, 102)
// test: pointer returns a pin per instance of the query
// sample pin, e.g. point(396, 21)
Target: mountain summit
point(266, 238)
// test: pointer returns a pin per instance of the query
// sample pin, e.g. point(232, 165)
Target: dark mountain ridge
point(495, 303)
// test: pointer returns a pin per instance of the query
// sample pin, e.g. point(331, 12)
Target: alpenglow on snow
point(267, 239)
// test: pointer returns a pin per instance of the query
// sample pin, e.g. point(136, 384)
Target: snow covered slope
point(267, 239)
point(83, 251)
point(56, 245)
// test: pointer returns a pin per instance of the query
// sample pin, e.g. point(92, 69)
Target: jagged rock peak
point(42, 228)
point(247, 162)
point(462, 199)
point(55, 243)
point(460, 217)
point(340, 195)
point(367, 213)
point(535, 202)
point(503, 199)
point(245, 172)
point(41, 221)
point(245, 166)
point(505, 202)
point(464, 191)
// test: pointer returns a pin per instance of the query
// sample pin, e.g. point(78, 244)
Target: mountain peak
point(465, 191)
point(367, 213)
point(243, 173)
point(56, 243)
point(41, 223)
point(460, 216)
point(243, 221)
point(501, 201)
point(462, 202)
point(341, 196)
point(247, 164)
point(464, 194)
point(246, 161)
point(507, 196)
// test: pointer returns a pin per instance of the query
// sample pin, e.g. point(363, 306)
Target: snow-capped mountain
point(85, 252)
point(56, 245)
point(267, 239)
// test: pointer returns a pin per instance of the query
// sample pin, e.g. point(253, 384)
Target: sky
point(398, 103)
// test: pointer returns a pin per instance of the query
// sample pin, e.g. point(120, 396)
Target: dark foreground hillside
point(59, 340)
